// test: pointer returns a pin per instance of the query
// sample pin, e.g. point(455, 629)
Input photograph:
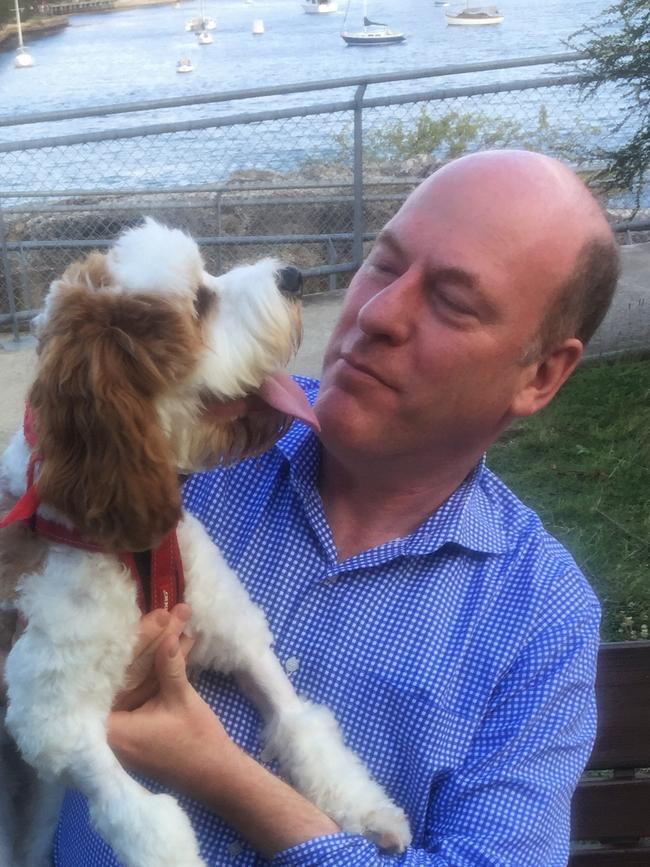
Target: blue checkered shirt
point(458, 660)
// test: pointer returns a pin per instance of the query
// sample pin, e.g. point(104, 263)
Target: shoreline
point(9, 32)
point(52, 23)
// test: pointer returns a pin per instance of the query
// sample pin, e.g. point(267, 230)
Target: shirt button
point(333, 580)
point(292, 664)
point(235, 849)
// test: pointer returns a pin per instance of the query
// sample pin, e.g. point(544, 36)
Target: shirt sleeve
point(508, 805)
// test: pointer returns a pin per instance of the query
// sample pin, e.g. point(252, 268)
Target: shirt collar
point(469, 518)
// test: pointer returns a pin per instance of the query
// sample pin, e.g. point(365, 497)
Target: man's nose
point(390, 312)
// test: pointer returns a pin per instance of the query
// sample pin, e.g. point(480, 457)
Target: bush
point(618, 45)
point(454, 133)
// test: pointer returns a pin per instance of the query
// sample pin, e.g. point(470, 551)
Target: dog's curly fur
point(134, 346)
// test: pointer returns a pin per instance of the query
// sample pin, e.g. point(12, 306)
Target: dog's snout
point(290, 281)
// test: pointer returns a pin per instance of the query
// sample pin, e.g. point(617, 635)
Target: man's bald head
point(557, 232)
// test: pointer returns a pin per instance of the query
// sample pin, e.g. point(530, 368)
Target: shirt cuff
point(331, 850)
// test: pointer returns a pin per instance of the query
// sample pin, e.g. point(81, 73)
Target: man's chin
point(345, 418)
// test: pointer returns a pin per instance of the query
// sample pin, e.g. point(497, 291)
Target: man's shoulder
point(535, 561)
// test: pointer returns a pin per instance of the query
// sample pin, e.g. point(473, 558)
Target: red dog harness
point(166, 578)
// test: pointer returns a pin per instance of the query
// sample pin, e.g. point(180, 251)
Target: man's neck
point(366, 505)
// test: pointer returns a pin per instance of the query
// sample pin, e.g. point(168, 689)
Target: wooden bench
point(614, 811)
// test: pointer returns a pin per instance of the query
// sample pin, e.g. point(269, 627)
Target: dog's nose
point(290, 281)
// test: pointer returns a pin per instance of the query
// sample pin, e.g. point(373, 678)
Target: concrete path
point(627, 326)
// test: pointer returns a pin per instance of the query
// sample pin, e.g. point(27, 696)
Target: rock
point(419, 166)
point(254, 175)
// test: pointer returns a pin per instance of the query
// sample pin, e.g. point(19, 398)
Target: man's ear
point(543, 378)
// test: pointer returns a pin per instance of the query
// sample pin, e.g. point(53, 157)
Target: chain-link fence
point(273, 171)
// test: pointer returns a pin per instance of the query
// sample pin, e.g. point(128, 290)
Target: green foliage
point(454, 133)
point(618, 46)
point(8, 11)
point(583, 464)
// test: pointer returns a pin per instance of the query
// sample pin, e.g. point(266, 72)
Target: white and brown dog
point(134, 348)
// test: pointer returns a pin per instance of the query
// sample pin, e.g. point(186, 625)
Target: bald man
point(407, 588)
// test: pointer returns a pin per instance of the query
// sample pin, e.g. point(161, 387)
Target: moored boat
point(474, 16)
point(373, 32)
point(319, 7)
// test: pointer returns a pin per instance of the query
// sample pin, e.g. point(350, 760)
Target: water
point(132, 54)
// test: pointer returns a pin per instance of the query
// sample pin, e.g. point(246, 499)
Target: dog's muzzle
point(290, 282)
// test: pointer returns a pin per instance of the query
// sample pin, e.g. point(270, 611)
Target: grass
point(583, 464)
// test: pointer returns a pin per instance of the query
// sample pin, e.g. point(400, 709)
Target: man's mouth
point(351, 361)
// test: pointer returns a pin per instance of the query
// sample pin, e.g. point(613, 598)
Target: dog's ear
point(105, 356)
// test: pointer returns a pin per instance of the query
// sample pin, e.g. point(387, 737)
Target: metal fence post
point(218, 201)
point(11, 301)
point(332, 259)
point(358, 224)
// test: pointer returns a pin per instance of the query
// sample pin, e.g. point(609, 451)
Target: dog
point(137, 348)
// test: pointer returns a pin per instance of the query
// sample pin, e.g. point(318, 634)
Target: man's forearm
point(264, 810)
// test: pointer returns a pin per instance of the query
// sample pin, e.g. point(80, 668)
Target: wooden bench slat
point(606, 809)
point(623, 695)
point(610, 858)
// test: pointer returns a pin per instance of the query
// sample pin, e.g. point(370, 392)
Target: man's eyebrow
point(387, 237)
point(459, 276)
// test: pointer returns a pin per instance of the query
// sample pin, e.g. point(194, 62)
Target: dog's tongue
point(285, 395)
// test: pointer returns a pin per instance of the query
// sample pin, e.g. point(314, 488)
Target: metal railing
point(254, 172)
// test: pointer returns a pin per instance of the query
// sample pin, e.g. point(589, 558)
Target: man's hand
point(170, 735)
point(175, 737)
point(141, 678)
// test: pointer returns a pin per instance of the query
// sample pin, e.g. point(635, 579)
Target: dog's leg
point(233, 637)
point(37, 823)
point(62, 676)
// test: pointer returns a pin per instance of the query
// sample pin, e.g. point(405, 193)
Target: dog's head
point(150, 367)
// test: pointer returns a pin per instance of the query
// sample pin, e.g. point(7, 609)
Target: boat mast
point(20, 29)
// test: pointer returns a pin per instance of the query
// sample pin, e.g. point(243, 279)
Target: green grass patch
point(583, 464)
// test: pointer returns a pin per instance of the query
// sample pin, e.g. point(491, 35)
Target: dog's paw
point(312, 754)
point(387, 827)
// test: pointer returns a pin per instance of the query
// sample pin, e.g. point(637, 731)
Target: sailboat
point(474, 16)
point(319, 7)
point(23, 58)
point(201, 24)
point(373, 33)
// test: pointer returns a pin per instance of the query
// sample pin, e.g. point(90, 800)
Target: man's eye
point(452, 305)
point(383, 266)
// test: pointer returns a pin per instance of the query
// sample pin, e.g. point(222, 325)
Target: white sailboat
point(201, 24)
point(474, 16)
point(319, 7)
point(373, 33)
point(23, 59)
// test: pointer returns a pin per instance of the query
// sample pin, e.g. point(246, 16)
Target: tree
point(618, 49)
point(8, 11)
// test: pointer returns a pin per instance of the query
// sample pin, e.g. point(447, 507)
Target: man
point(407, 588)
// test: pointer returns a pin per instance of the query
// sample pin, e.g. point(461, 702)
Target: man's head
point(472, 309)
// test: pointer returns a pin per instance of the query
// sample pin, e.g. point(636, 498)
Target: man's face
point(426, 355)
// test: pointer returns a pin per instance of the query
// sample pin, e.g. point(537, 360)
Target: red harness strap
point(166, 580)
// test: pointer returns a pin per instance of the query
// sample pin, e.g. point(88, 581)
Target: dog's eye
point(204, 301)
